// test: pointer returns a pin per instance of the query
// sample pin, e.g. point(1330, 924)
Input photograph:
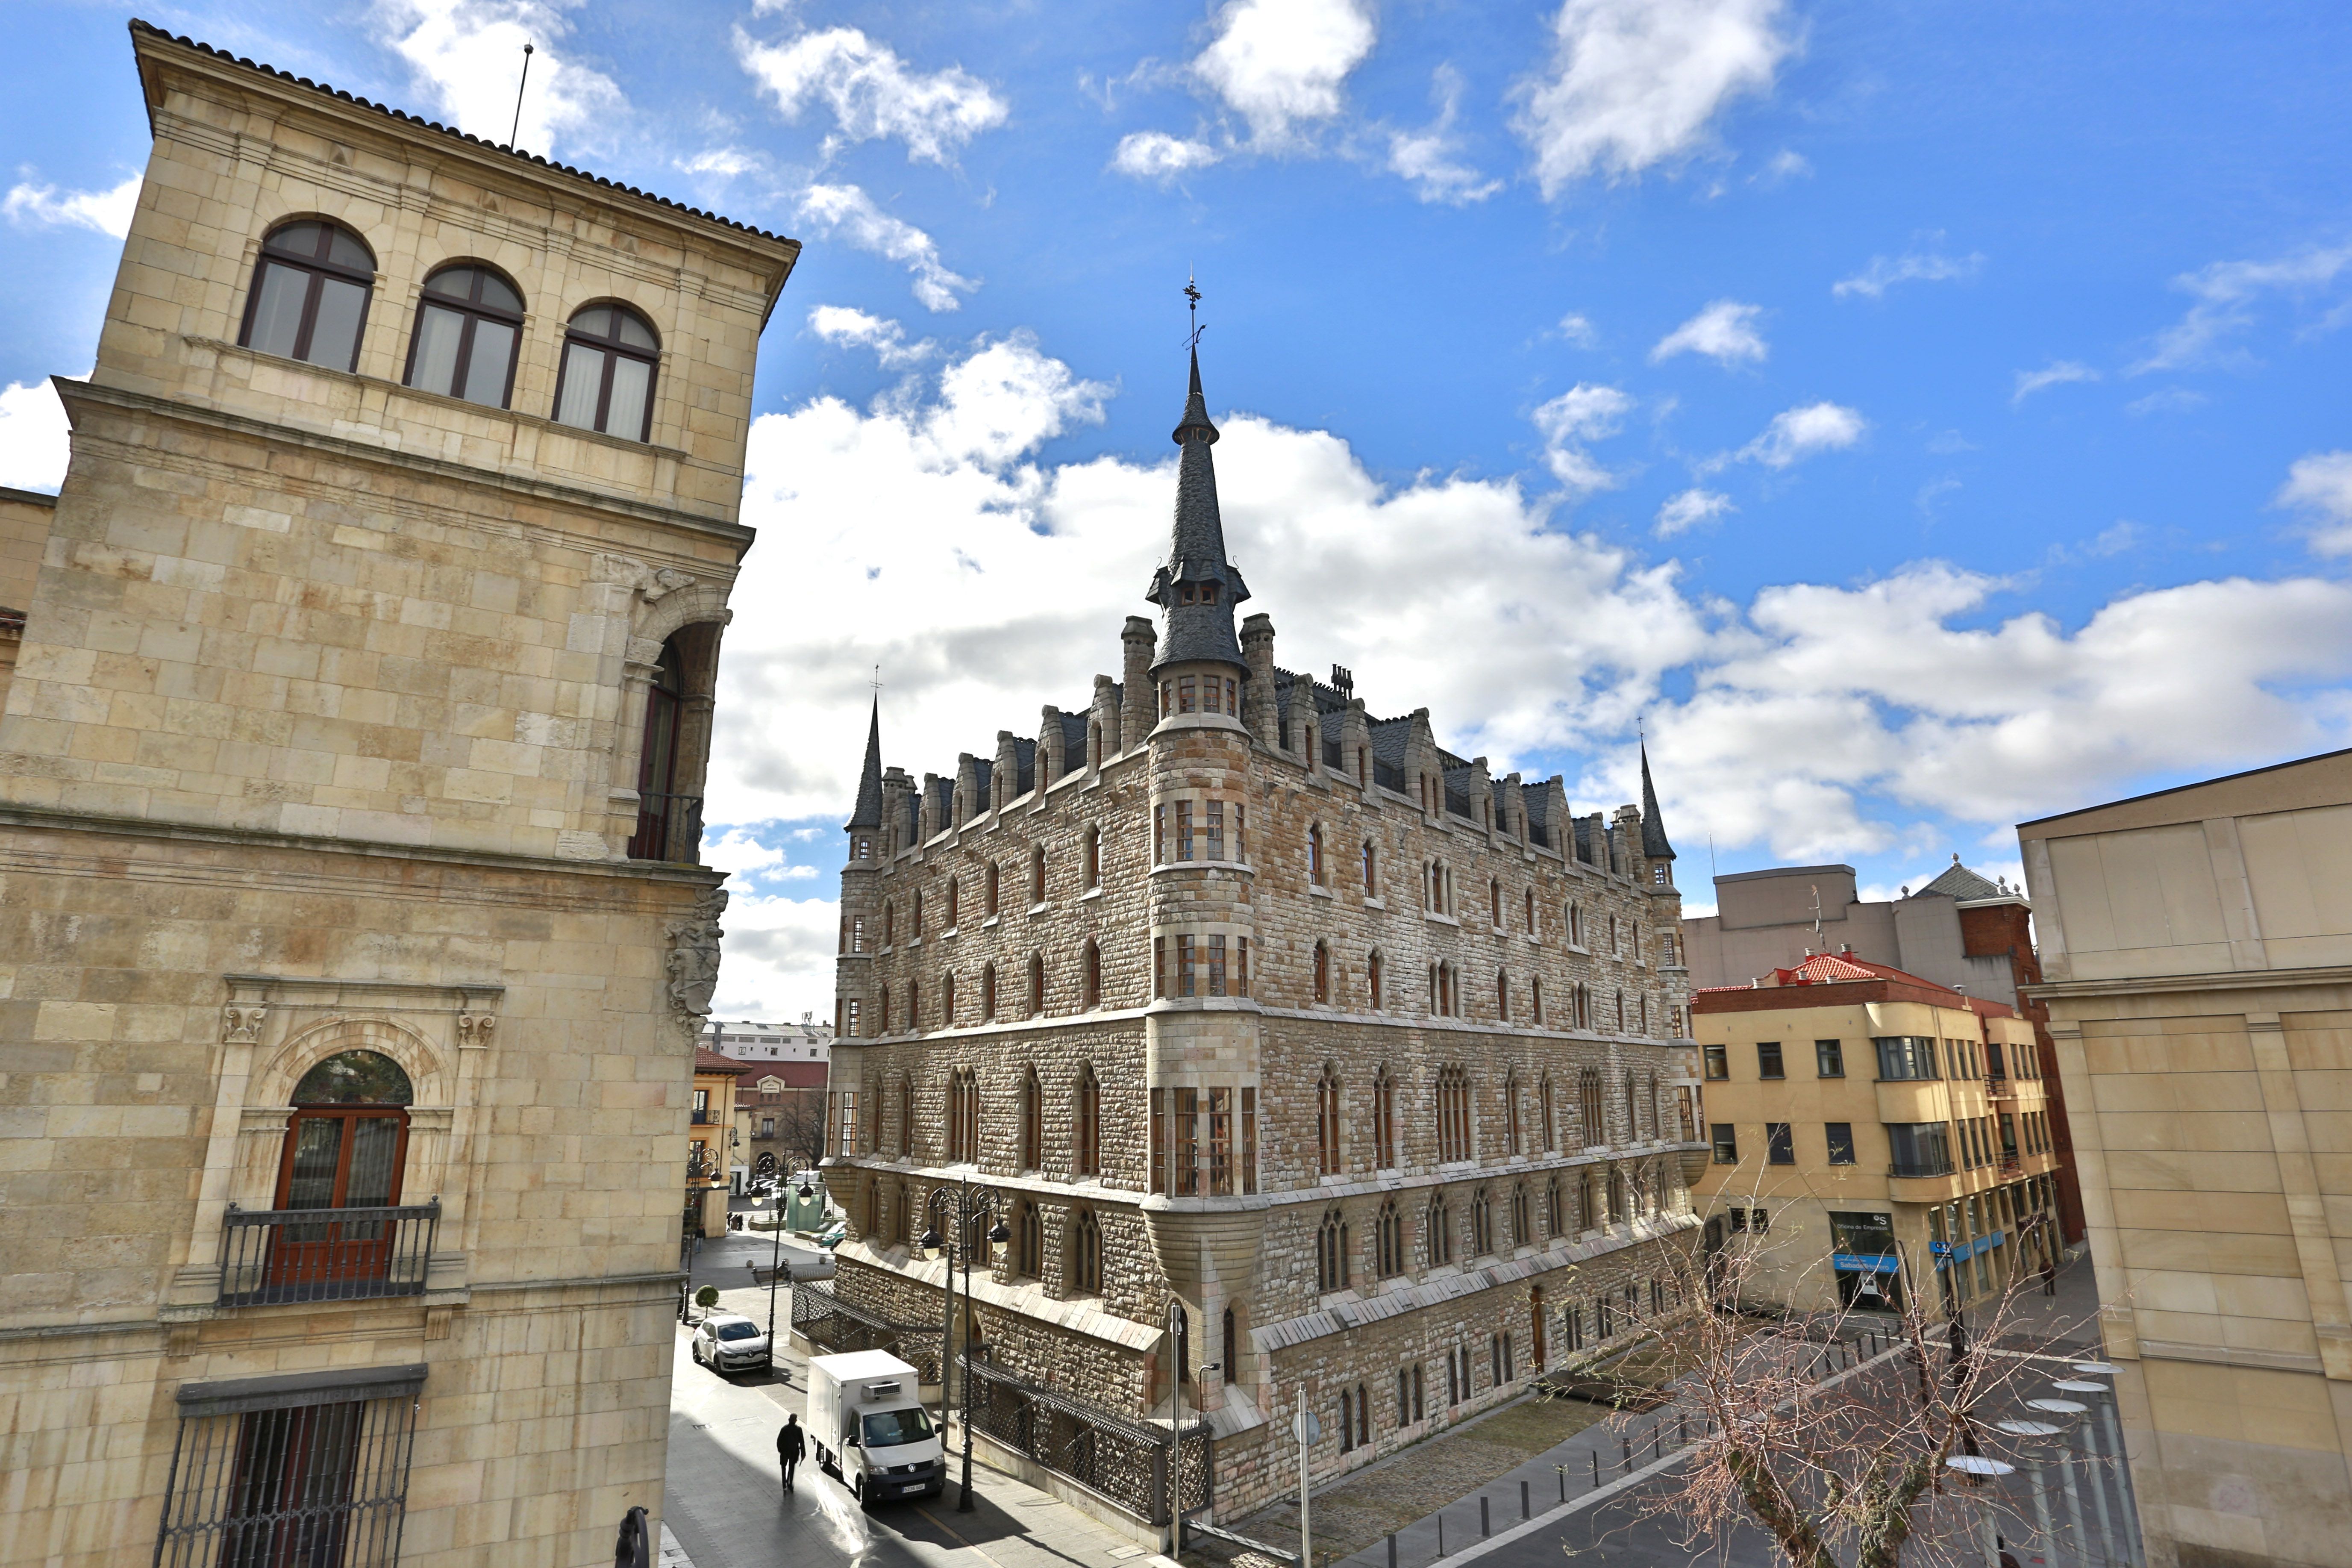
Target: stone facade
point(325, 748)
point(1240, 1004)
point(2197, 956)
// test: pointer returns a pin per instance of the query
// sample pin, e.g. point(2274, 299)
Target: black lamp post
point(776, 1265)
point(966, 1204)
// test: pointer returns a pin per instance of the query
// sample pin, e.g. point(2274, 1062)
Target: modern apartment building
point(2197, 946)
point(1958, 930)
point(353, 941)
point(1873, 1131)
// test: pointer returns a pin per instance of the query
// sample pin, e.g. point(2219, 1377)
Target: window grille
point(305, 1469)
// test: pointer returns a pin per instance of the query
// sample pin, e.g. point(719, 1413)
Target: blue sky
point(1926, 415)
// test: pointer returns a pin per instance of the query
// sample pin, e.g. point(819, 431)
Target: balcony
point(703, 1118)
point(670, 827)
point(1920, 1169)
point(2001, 1086)
point(273, 1255)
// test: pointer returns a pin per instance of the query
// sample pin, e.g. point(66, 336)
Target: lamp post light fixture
point(965, 1204)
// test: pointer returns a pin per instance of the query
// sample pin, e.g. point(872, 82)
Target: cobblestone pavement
point(725, 1507)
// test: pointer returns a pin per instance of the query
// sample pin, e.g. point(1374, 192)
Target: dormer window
point(1196, 593)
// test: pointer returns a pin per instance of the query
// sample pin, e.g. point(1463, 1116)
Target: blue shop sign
point(1945, 1252)
point(1865, 1262)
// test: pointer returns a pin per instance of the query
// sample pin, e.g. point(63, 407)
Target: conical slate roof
point(869, 782)
point(1653, 826)
point(1197, 589)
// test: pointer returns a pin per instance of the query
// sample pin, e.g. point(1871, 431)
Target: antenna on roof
point(516, 131)
point(1817, 913)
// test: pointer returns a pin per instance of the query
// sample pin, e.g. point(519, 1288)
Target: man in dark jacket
point(791, 1445)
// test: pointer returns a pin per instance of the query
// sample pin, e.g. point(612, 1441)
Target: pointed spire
point(1653, 827)
point(868, 813)
point(1197, 589)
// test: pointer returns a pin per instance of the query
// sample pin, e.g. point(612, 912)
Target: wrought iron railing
point(325, 1255)
point(1123, 1459)
point(301, 1485)
point(670, 827)
point(824, 1318)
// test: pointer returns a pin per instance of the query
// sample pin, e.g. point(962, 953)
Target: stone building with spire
point(1297, 1055)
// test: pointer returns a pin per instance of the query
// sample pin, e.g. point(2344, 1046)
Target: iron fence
point(325, 1255)
point(824, 1318)
point(1126, 1462)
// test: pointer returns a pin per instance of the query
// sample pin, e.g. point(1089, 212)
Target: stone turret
point(1197, 589)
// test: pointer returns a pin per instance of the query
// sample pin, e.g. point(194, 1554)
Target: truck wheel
point(857, 1489)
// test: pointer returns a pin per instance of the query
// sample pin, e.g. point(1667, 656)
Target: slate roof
point(1957, 881)
point(1197, 550)
point(1653, 824)
point(869, 782)
point(149, 28)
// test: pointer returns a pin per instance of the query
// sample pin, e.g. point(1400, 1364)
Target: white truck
point(870, 1430)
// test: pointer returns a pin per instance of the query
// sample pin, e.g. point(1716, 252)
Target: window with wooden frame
point(1388, 1241)
point(310, 295)
point(1032, 1122)
point(606, 382)
point(1085, 1254)
point(1322, 973)
point(1326, 1122)
point(468, 325)
point(992, 879)
point(1371, 871)
point(1332, 1271)
point(1384, 1141)
point(1454, 1132)
point(1086, 1124)
point(1036, 984)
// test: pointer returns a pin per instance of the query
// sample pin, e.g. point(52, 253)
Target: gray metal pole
point(2097, 1470)
point(2125, 1497)
point(1992, 1537)
point(1306, 1537)
point(2074, 1509)
point(2042, 1518)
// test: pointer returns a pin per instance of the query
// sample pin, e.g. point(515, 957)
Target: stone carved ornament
point(651, 584)
point(694, 955)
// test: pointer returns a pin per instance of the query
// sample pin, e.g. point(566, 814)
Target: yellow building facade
point(2197, 955)
point(353, 941)
point(1872, 1134)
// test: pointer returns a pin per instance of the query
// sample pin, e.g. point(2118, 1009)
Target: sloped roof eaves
point(1957, 881)
point(147, 29)
point(708, 1061)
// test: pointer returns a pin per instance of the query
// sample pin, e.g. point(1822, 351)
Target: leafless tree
point(800, 1130)
point(1832, 1431)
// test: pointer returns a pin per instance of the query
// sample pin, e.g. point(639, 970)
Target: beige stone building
point(23, 532)
point(1292, 1048)
point(352, 944)
point(1871, 1132)
point(2197, 949)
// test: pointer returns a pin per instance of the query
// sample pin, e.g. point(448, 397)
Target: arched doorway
point(345, 1150)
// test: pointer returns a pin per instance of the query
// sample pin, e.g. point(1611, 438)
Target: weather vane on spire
point(1192, 303)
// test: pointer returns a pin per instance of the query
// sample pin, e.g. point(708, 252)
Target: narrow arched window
point(1093, 969)
point(1093, 857)
point(953, 889)
point(466, 327)
point(1511, 1113)
point(1326, 1122)
point(1315, 856)
point(1373, 980)
point(1086, 1255)
point(1530, 913)
point(1371, 871)
point(1502, 996)
point(345, 1147)
point(1029, 1241)
point(1032, 1122)
point(1322, 973)
point(1036, 984)
point(1535, 1000)
point(947, 1000)
point(1495, 902)
point(1390, 1241)
point(309, 296)
point(1086, 1124)
point(1384, 1147)
point(992, 890)
point(607, 380)
point(987, 991)
point(1037, 876)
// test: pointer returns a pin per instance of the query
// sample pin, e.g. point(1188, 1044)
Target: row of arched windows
point(1454, 1104)
point(310, 301)
point(1613, 1011)
point(1082, 1242)
point(994, 1003)
point(992, 891)
point(960, 1124)
point(1486, 1222)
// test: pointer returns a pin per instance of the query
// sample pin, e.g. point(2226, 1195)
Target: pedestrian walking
point(2049, 1277)
point(791, 1445)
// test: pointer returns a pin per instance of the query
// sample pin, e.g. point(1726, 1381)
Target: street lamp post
point(776, 1265)
point(968, 1203)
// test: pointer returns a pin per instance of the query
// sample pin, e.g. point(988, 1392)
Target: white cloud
point(844, 326)
point(2321, 487)
point(1430, 159)
point(467, 54)
point(1577, 328)
point(1634, 83)
point(1786, 164)
point(29, 205)
point(1282, 63)
point(34, 437)
point(1582, 414)
point(1796, 434)
point(1688, 509)
point(2227, 294)
point(2166, 400)
point(872, 93)
point(779, 955)
point(849, 211)
point(1156, 155)
point(1885, 272)
point(2057, 373)
point(1725, 332)
point(726, 162)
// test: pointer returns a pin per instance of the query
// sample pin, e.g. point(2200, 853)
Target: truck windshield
point(889, 1428)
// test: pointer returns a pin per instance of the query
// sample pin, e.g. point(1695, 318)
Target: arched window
point(1093, 971)
point(1371, 871)
point(1588, 1211)
point(1036, 984)
point(1494, 901)
point(1632, 1121)
point(1331, 1253)
point(1322, 973)
point(1390, 1241)
point(669, 824)
point(890, 924)
point(1616, 1195)
point(1315, 855)
point(607, 380)
point(963, 1116)
point(1033, 1120)
point(905, 1116)
point(1583, 1007)
point(947, 1000)
point(1093, 857)
point(1441, 1230)
point(1037, 875)
point(990, 913)
point(467, 326)
point(1528, 916)
point(1326, 1121)
point(886, 1010)
point(1028, 1240)
point(1511, 1113)
point(1555, 1221)
point(1086, 1255)
point(1481, 1224)
point(1452, 1115)
point(1086, 1124)
point(1549, 1113)
point(1523, 1230)
point(345, 1148)
point(919, 915)
point(1231, 1356)
point(1502, 995)
point(1591, 1127)
point(954, 888)
point(1384, 1145)
point(1347, 1420)
point(1575, 923)
point(309, 296)
point(915, 1005)
point(987, 991)
point(1372, 979)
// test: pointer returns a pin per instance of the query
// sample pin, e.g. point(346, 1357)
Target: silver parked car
point(727, 1341)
